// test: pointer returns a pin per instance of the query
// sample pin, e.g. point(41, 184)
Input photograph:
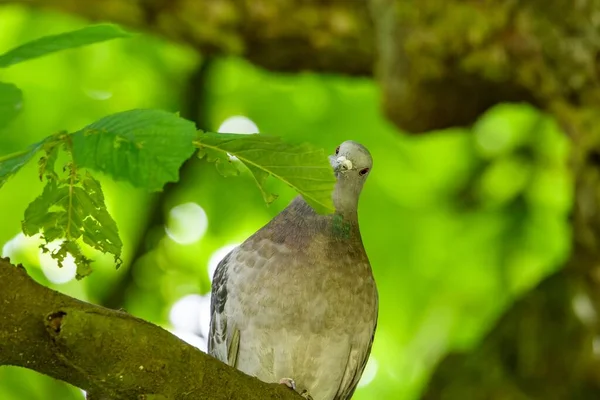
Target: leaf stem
point(72, 176)
point(13, 155)
point(69, 212)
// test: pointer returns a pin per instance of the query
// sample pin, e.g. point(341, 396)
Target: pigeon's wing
point(357, 360)
point(223, 339)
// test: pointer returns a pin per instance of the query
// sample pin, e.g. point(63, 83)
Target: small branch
point(110, 353)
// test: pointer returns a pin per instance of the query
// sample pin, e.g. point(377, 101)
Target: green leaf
point(223, 162)
point(260, 176)
point(38, 216)
point(12, 163)
point(144, 147)
point(99, 229)
point(69, 210)
point(303, 167)
point(11, 101)
point(69, 40)
point(48, 160)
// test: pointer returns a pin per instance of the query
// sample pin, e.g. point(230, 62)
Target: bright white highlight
point(216, 258)
point(238, 124)
point(369, 373)
point(20, 244)
point(14, 245)
point(190, 317)
point(50, 267)
point(187, 223)
point(191, 314)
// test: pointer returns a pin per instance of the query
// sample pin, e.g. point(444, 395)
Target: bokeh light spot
point(14, 245)
point(596, 346)
point(493, 140)
point(583, 308)
point(187, 223)
point(238, 124)
point(50, 268)
point(369, 373)
point(191, 313)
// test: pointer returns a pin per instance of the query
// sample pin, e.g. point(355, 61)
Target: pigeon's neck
point(345, 201)
point(300, 221)
point(343, 210)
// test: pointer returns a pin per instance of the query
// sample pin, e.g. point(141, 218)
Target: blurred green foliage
point(457, 224)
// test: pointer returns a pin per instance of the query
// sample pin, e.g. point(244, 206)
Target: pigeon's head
point(351, 164)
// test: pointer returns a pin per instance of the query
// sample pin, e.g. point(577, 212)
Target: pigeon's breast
point(304, 312)
point(319, 287)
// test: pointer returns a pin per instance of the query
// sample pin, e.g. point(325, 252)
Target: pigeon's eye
point(337, 150)
point(363, 171)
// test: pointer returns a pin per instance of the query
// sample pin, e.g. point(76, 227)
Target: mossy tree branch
point(442, 63)
point(289, 36)
point(109, 353)
point(439, 64)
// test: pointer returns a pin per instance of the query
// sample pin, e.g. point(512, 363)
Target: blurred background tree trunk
point(547, 345)
point(442, 64)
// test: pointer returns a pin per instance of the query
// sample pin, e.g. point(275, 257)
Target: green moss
point(440, 53)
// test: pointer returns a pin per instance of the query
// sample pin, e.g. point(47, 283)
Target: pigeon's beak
point(340, 164)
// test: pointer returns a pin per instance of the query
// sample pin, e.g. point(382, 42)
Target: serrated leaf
point(99, 229)
point(11, 101)
point(48, 160)
point(11, 163)
point(260, 176)
point(303, 167)
point(68, 40)
point(69, 210)
point(144, 147)
point(225, 166)
point(84, 267)
point(48, 213)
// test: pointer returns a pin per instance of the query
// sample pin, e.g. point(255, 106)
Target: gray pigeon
point(296, 303)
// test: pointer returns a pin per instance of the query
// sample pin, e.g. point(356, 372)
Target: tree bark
point(108, 353)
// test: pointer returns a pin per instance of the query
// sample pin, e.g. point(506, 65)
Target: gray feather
point(347, 391)
point(217, 335)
